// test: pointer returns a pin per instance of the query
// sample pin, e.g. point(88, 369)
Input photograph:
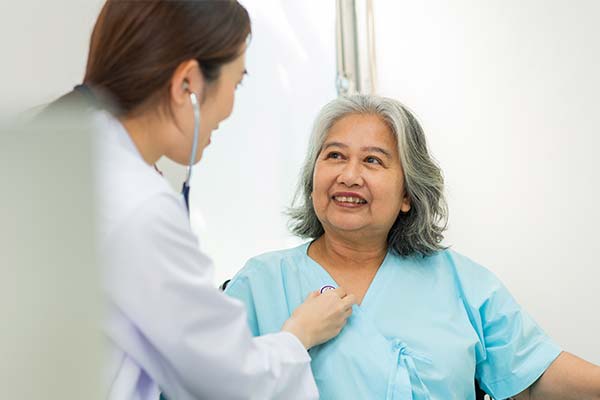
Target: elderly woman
point(430, 321)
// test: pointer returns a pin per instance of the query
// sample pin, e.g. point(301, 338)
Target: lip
point(348, 205)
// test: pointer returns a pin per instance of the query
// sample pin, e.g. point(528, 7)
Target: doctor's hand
point(320, 317)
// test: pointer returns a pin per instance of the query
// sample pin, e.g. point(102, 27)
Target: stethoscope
point(185, 190)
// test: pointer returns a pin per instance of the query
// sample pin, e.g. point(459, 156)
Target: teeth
point(344, 199)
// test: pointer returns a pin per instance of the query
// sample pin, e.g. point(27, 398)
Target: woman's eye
point(335, 155)
point(373, 160)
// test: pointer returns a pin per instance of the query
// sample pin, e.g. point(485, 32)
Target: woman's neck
point(336, 251)
point(145, 132)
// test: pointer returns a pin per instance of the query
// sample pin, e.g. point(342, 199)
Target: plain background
point(506, 92)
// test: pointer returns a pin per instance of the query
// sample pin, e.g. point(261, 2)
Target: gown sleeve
point(261, 286)
point(240, 288)
point(514, 350)
point(191, 339)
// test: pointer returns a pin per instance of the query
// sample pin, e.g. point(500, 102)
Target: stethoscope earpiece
point(194, 99)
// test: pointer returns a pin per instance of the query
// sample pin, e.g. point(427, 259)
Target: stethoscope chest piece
point(327, 288)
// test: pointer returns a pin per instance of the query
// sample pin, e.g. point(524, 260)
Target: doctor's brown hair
point(136, 45)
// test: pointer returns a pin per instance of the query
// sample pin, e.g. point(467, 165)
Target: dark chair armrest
point(224, 285)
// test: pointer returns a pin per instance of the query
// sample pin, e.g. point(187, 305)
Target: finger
point(347, 313)
point(348, 309)
point(349, 300)
point(340, 292)
point(313, 294)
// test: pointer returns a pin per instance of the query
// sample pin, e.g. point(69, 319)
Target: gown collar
point(375, 288)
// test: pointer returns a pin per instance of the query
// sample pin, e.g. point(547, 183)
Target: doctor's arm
point(567, 378)
point(193, 340)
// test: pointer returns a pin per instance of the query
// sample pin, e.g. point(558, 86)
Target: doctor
point(170, 330)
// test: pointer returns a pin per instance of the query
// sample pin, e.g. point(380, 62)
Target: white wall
point(508, 93)
point(44, 46)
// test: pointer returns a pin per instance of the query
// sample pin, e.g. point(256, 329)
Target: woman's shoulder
point(455, 262)
point(475, 282)
point(455, 269)
point(278, 256)
point(272, 265)
point(276, 260)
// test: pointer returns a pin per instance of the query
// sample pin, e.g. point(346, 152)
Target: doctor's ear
point(186, 79)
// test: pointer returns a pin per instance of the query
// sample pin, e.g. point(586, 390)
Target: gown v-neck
point(375, 285)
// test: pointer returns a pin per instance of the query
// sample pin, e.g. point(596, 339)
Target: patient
point(429, 321)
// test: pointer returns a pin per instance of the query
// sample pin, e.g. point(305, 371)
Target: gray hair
point(418, 231)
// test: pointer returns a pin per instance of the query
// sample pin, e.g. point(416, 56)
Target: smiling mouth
point(349, 200)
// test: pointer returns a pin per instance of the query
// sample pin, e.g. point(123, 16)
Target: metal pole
point(355, 47)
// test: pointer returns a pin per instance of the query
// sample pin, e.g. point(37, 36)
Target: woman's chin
point(349, 228)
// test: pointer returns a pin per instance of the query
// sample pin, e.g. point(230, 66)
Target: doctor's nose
point(351, 175)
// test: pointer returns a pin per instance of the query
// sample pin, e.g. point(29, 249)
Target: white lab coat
point(169, 328)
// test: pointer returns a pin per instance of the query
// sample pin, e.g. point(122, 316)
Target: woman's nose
point(351, 175)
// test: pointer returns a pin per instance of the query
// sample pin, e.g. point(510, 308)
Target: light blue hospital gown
point(426, 327)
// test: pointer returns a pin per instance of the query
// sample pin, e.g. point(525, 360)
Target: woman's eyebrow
point(377, 150)
point(334, 144)
point(374, 149)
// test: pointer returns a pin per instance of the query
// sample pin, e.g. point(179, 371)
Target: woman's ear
point(405, 206)
point(186, 79)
